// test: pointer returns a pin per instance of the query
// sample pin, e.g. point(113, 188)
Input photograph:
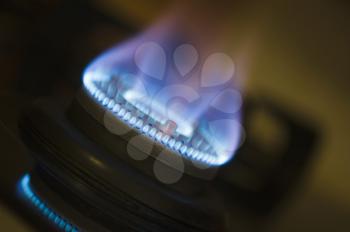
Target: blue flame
point(172, 110)
point(26, 191)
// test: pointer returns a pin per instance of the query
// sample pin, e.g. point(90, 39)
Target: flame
point(173, 79)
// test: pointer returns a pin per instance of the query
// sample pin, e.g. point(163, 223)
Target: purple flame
point(185, 90)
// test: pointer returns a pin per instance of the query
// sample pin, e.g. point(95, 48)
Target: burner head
point(87, 167)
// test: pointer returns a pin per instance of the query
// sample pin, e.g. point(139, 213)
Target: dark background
point(302, 64)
